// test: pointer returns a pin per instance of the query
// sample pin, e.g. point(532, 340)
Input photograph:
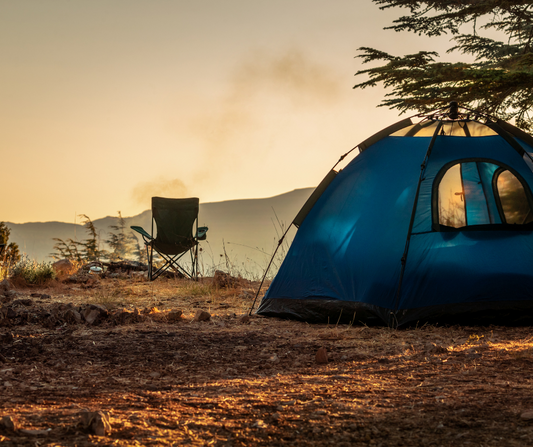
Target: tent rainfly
point(432, 221)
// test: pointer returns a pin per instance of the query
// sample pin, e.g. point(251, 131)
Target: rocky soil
point(120, 361)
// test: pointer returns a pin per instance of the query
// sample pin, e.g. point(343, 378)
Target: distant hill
point(246, 228)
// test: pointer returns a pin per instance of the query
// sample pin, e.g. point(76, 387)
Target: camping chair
point(176, 236)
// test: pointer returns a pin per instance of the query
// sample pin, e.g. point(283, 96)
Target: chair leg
point(150, 255)
point(194, 262)
point(195, 265)
point(171, 262)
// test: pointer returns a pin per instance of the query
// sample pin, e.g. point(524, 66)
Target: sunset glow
point(105, 104)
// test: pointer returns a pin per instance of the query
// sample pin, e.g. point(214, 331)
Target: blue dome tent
point(431, 221)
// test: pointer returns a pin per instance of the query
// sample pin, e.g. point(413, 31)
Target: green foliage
point(498, 81)
point(91, 246)
point(28, 272)
point(66, 249)
point(10, 255)
point(88, 250)
point(122, 241)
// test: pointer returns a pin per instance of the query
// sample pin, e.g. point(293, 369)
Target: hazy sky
point(105, 103)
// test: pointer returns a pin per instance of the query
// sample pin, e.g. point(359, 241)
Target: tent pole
point(392, 317)
point(268, 268)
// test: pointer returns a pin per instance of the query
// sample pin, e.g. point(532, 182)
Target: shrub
point(11, 254)
point(28, 272)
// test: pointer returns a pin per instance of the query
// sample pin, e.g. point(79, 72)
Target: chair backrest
point(174, 219)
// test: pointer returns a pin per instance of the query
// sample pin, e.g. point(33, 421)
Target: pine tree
point(498, 82)
point(91, 246)
point(68, 249)
point(11, 254)
point(121, 240)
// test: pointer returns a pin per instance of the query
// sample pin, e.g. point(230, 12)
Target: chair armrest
point(201, 234)
point(142, 232)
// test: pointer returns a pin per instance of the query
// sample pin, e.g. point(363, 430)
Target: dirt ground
point(141, 374)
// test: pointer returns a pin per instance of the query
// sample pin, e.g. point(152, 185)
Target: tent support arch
point(412, 220)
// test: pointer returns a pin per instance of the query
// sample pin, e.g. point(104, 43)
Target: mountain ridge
point(242, 230)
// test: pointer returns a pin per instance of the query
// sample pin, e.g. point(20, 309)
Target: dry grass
point(163, 293)
point(223, 382)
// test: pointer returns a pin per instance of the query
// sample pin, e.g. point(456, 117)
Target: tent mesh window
point(481, 193)
point(452, 129)
point(513, 199)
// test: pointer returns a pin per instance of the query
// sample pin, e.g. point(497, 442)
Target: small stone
point(8, 423)
point(94, 313)
point(527, 415)
point(202, 315)
point(63, 266)
point(245, 319)
point(174, 315)
point(321, 356)
point(123, 316)
point(96, 422)
point(66, 306)
point(23, 302)
point(150, 311)
point(99, 307)
point(72, 316)
point(259, 424)
point(91, 315)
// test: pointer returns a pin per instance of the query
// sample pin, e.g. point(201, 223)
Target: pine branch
point(498, 82)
